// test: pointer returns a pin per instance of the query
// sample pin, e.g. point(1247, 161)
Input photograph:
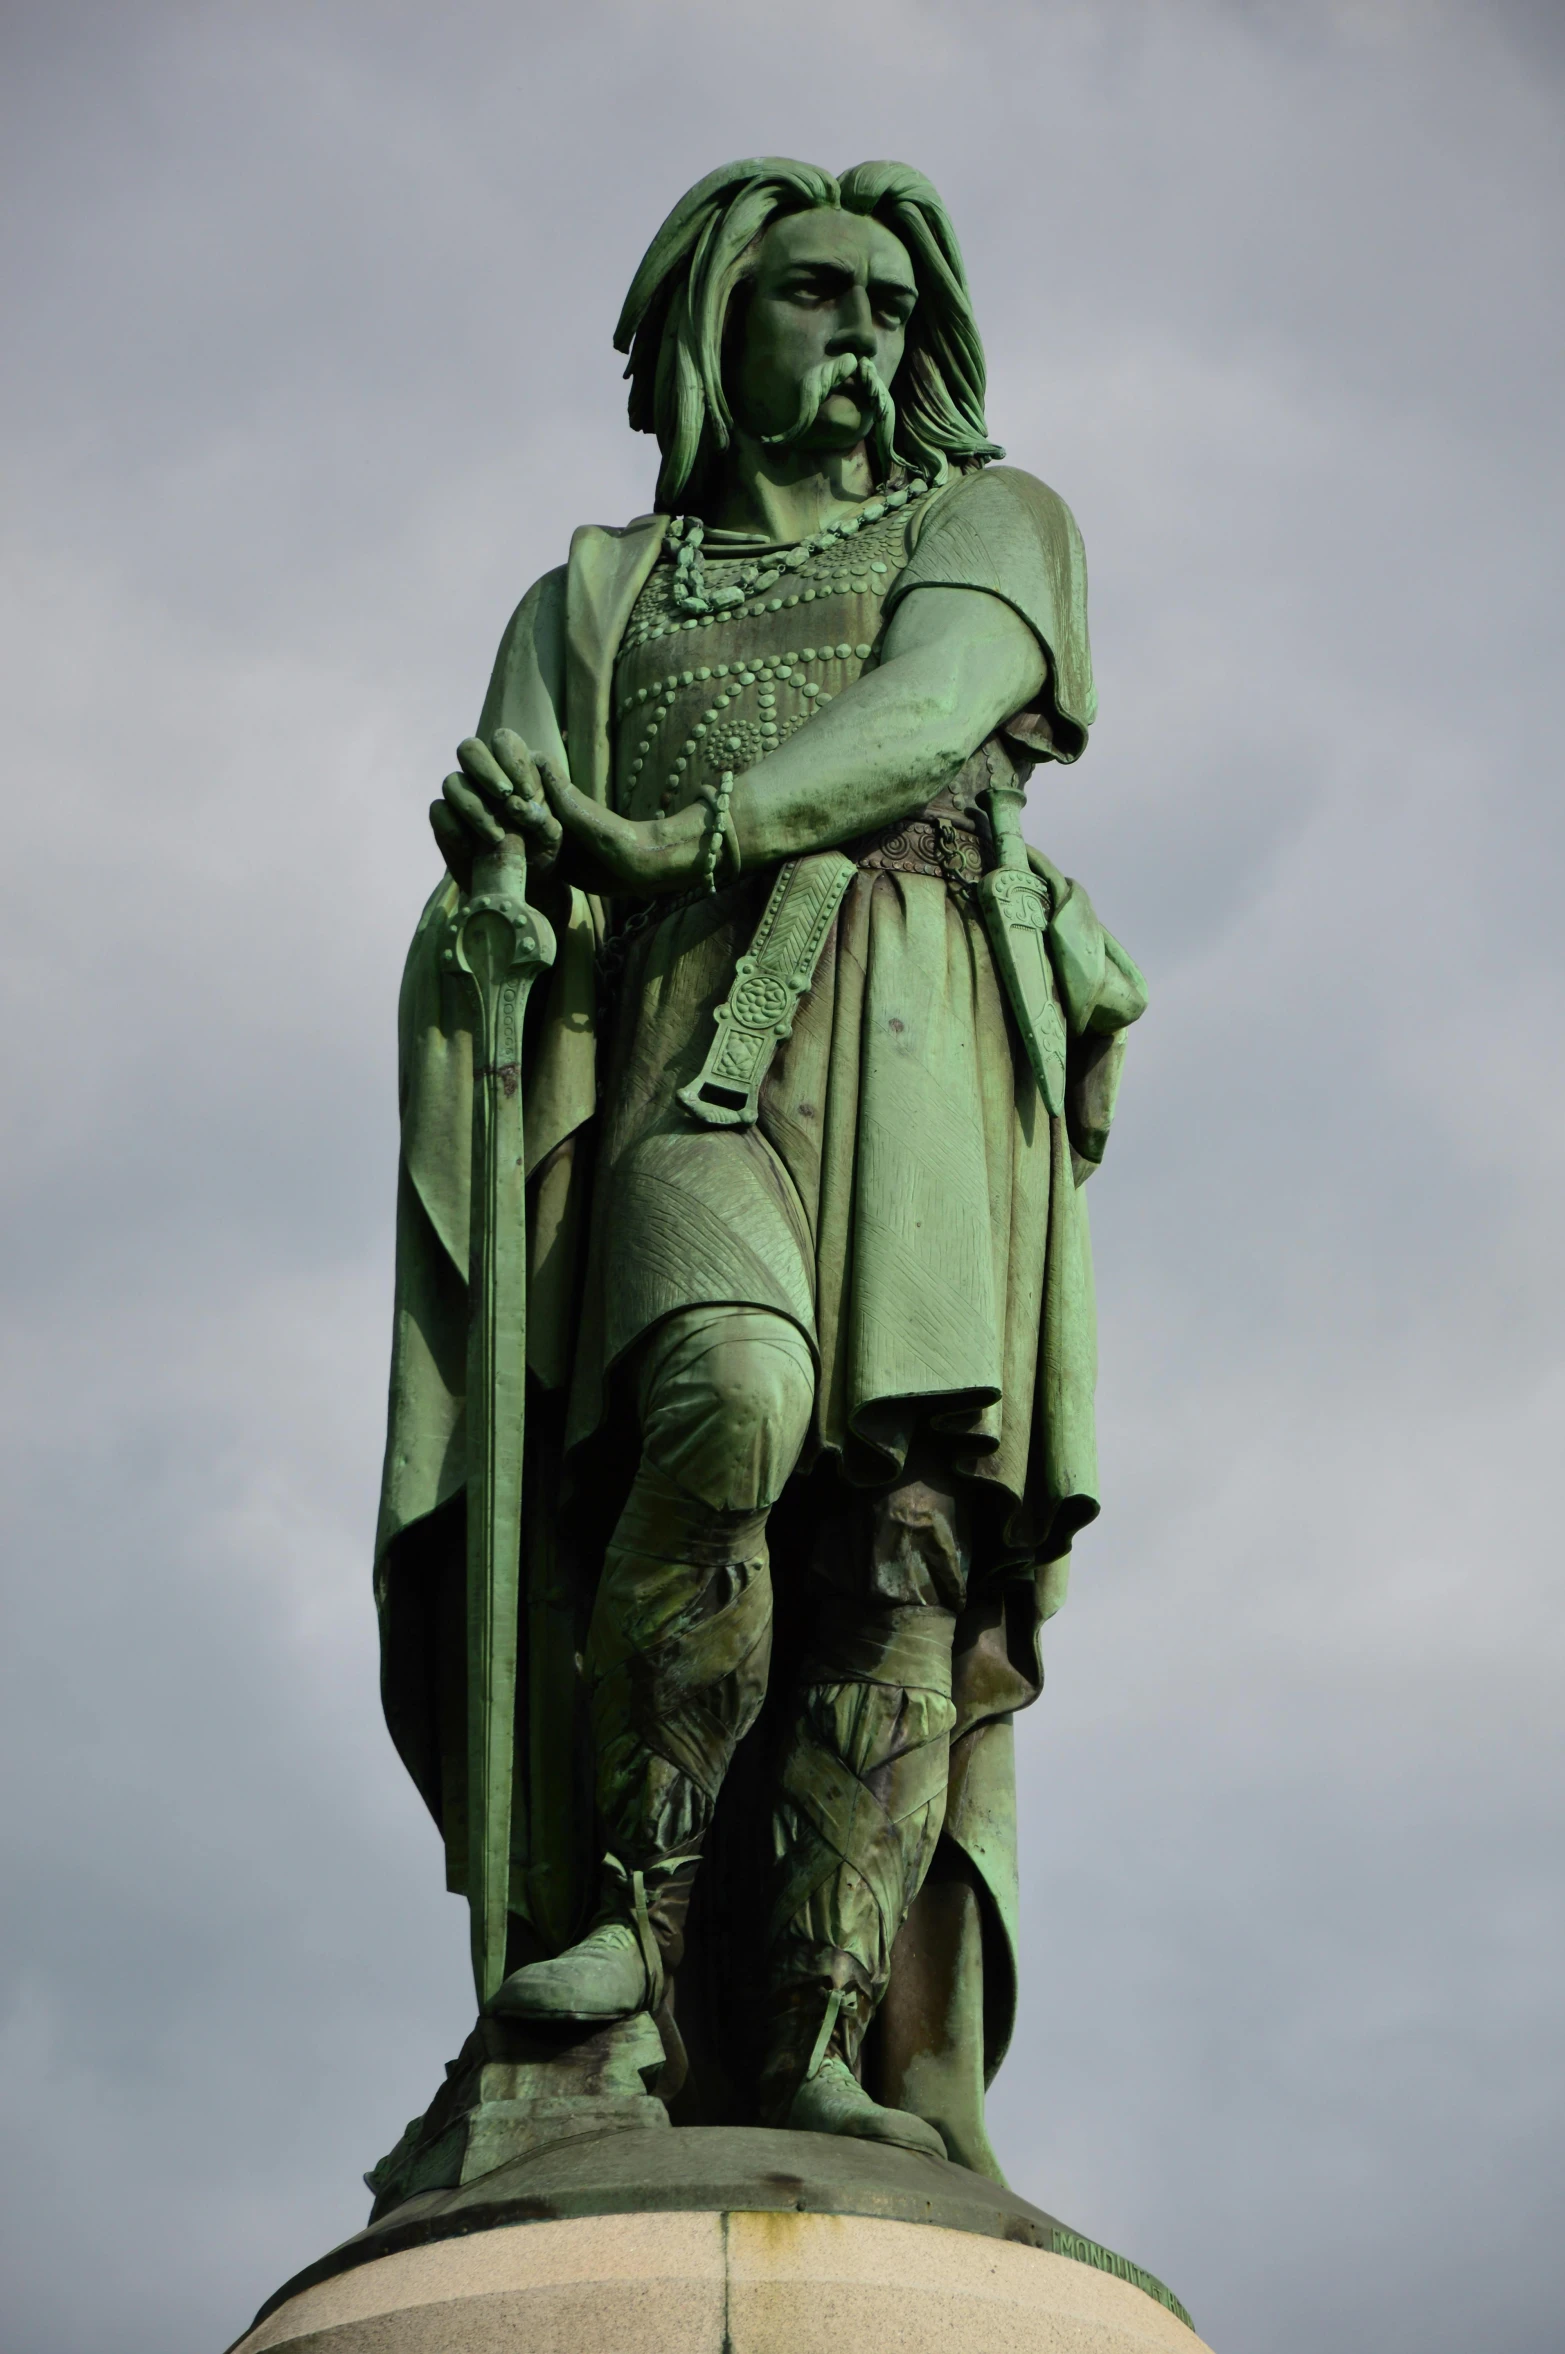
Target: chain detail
point(720, 832)
point(692, 595)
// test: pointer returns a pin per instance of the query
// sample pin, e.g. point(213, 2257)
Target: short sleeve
point(1005, 532)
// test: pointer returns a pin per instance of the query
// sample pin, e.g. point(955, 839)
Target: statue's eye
point(893, 305)
point(815, 286)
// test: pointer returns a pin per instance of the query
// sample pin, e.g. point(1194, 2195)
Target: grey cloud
point(309, 377)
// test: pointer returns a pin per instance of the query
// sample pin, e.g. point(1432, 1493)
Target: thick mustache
point(828, 377)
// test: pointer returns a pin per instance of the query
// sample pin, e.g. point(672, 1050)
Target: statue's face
point(826, 284)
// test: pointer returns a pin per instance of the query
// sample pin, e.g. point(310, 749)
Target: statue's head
point(808, 312)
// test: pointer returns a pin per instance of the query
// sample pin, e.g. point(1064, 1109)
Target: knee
point(726, 1398)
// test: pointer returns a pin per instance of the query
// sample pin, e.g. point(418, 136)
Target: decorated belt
point(949, 849)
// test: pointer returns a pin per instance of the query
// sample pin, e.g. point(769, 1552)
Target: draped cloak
point(910, 1205)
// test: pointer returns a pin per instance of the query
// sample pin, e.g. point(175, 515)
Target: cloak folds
point(947, 2016)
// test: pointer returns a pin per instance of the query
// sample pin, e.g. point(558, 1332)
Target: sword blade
point(501, 946)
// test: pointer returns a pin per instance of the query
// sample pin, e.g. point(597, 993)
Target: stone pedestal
point(739, 2283)
point(721, 2241)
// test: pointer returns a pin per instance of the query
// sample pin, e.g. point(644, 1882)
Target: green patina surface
point(742, 1386)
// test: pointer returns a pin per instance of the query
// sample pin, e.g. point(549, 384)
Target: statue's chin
point(840, 426)
point(848, 416)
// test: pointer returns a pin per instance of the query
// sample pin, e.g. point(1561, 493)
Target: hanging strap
point(652, 1959)
point(769, 980)
point(828, 2028)
point(634, 1884)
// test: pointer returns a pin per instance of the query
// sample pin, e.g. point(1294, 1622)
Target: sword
point(1016, 909)
point(501, 944)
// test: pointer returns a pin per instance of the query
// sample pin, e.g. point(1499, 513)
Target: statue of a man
point(811, 1333)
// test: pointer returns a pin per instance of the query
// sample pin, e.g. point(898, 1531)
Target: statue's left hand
point(496, 791)
point(620, 855)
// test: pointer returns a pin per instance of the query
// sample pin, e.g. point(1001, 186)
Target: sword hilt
point(1005, 804)
point(500, 876)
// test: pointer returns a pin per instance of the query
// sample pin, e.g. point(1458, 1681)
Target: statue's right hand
point(496, 791)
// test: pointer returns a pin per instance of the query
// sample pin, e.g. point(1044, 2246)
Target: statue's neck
point(787, 495)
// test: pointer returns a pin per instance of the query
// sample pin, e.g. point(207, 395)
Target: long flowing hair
point(675, 316)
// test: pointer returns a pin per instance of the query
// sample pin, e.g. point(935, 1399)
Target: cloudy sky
point(307, 375)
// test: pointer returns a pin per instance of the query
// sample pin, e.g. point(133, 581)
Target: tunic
point(904, 1197)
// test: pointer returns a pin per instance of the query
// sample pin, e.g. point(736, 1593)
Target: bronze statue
point(702, 1636)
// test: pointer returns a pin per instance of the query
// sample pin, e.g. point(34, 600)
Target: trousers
point(678, 1656)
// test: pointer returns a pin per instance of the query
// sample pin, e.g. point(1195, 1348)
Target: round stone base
point(720, 2240)
point(783, 2282)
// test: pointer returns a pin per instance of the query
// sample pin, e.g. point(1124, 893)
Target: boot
point(626, 1961)
point(811, 2086)
point(834, 2101)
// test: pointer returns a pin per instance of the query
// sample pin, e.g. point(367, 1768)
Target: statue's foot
point(834, 2101)
point(604, 1977)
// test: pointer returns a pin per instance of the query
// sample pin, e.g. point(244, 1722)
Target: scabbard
point(1016, 910)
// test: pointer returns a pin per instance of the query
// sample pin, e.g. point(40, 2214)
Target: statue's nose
point(856, 332)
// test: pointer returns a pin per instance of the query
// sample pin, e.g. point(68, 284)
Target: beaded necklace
point(686, 533)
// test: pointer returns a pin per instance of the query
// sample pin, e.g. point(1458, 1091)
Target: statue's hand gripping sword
point(1017, 909)
point(501, 944)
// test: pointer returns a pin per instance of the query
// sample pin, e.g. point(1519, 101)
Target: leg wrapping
point(860, 1806)
point(680, 1641)
point(677, 1657)
point(862, 1793)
